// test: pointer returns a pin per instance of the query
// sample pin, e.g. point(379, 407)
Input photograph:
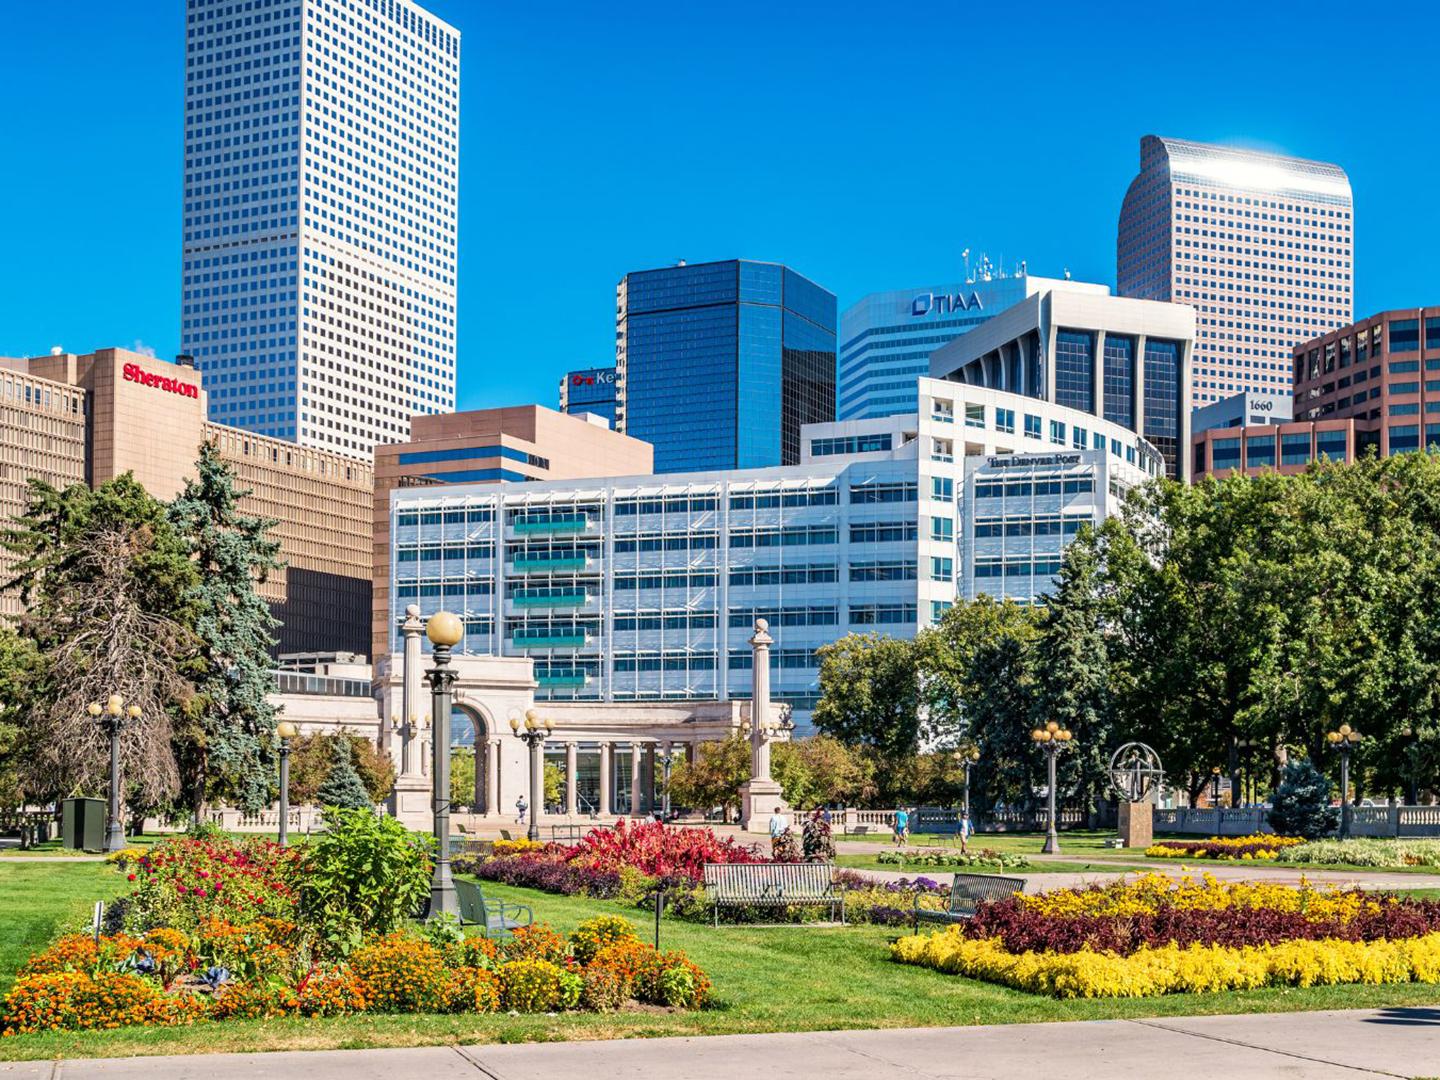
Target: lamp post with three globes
point(1051, 738)
point(112, 716)
point(533, 733)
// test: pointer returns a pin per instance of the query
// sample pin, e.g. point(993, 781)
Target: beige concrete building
point(68, 418)
point(526, 442)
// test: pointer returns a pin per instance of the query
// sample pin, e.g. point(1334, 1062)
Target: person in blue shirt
point(902, 827)
point(967, 830)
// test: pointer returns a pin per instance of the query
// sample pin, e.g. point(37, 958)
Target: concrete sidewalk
point(1401, 1042)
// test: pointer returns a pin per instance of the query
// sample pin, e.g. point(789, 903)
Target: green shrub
point(364, 876)
point(1367, 852)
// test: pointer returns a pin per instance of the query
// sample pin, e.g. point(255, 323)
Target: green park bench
point(967, 893)
point(773, 885)
point(496, 918)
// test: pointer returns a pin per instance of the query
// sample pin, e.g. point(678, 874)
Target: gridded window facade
point(320, 193)
point(719, 365)
point(1260, 245)
point(1075, 369)
point(1162, 400)
point(1119, 378)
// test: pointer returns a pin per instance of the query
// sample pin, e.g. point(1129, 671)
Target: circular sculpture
point(1135, 771)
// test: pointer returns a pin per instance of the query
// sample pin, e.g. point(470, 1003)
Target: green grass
point(39, 900)
point(52, 848)
point(1058, 866)
point(789, 978)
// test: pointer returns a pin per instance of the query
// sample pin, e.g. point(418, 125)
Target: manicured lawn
point(52, 848)
point(39, 900)
point(1058, 866)
point(766, 979)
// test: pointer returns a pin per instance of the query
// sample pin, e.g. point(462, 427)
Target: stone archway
point(470, 729)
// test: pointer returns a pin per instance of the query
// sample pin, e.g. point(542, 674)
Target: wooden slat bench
point(773, 885)
point(968, 892)
point(494, 917)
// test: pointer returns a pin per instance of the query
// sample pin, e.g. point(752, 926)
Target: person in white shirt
point(778, 823)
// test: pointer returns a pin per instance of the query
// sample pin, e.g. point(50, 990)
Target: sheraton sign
point(134, 373)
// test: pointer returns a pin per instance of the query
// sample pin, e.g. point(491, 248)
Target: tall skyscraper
point(590, 390)
point(1258, 244)
point(719, 364)
point(318, 277)
point(886, 338)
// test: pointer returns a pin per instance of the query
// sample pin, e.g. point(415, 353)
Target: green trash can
point(82, 824)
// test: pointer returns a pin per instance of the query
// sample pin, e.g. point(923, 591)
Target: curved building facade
point(1260, 245)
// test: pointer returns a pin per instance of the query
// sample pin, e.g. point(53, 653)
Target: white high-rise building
point(321, 173)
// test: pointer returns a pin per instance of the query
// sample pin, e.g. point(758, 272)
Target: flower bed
point(165, 977)
point(939, 857)
point(1366, 852)
point(630, 862)
point(1156, 936)
point(1257, 848)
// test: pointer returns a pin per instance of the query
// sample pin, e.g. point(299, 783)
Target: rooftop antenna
point(966, 256)
point(1067, 273)
point(680, 263)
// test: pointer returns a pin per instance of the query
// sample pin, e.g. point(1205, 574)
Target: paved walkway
point(1293, 1046)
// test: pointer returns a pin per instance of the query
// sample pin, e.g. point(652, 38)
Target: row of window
point(1023, 489)
point(1017, 567)
point(1043, 526)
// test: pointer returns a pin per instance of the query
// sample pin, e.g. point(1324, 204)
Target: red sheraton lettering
point(133, 373)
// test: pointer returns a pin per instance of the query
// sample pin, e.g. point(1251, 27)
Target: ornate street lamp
point(666, 758)
point(445, 632)
point(1215, 786)
point(967, 756)
point(112, 716)
point(533, 733)
point(1344, 740)
point(285, 731)
point(1051, 738)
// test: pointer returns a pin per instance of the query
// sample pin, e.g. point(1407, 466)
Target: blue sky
point(866, 145)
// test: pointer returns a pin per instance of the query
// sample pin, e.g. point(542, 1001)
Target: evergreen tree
point(106, 581)
point(228, 752)
point(1301, 804)
point(343, 787)
point(1072, 672)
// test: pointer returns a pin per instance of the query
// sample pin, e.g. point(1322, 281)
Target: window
point(875, 491)
point(938, 609)
point(1403, 367)
point(877, 614)
point(881, 532)
point(883, 571)
point(1057, 432)
point(1225, 454)
point(1260, 452)
point(942, 568)
point(1330, 444)
point(974, 415)
point(942, 528)
point(1005, 421)
point(1199, 458)
point(1404, 336)
point(1119, 380)
point(854, 444)
point(1404, 437)
point(1294, 449)
point(942, 488)
point(1079, 438)
point(1075, 369)
point(1404, 388)
point(1032, 426)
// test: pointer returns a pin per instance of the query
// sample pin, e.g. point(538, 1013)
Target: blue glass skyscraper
point(719, 364)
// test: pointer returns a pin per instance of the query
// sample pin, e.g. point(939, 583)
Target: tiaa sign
point(944, 303)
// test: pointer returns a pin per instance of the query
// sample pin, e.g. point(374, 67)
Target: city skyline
point(524, 212)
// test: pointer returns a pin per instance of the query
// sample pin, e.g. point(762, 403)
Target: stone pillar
point(411, 630)
point(636, 756)
point(607, 757)
point(492, 777)
point(571, 777)
point(760, 796)
point(410, 798)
